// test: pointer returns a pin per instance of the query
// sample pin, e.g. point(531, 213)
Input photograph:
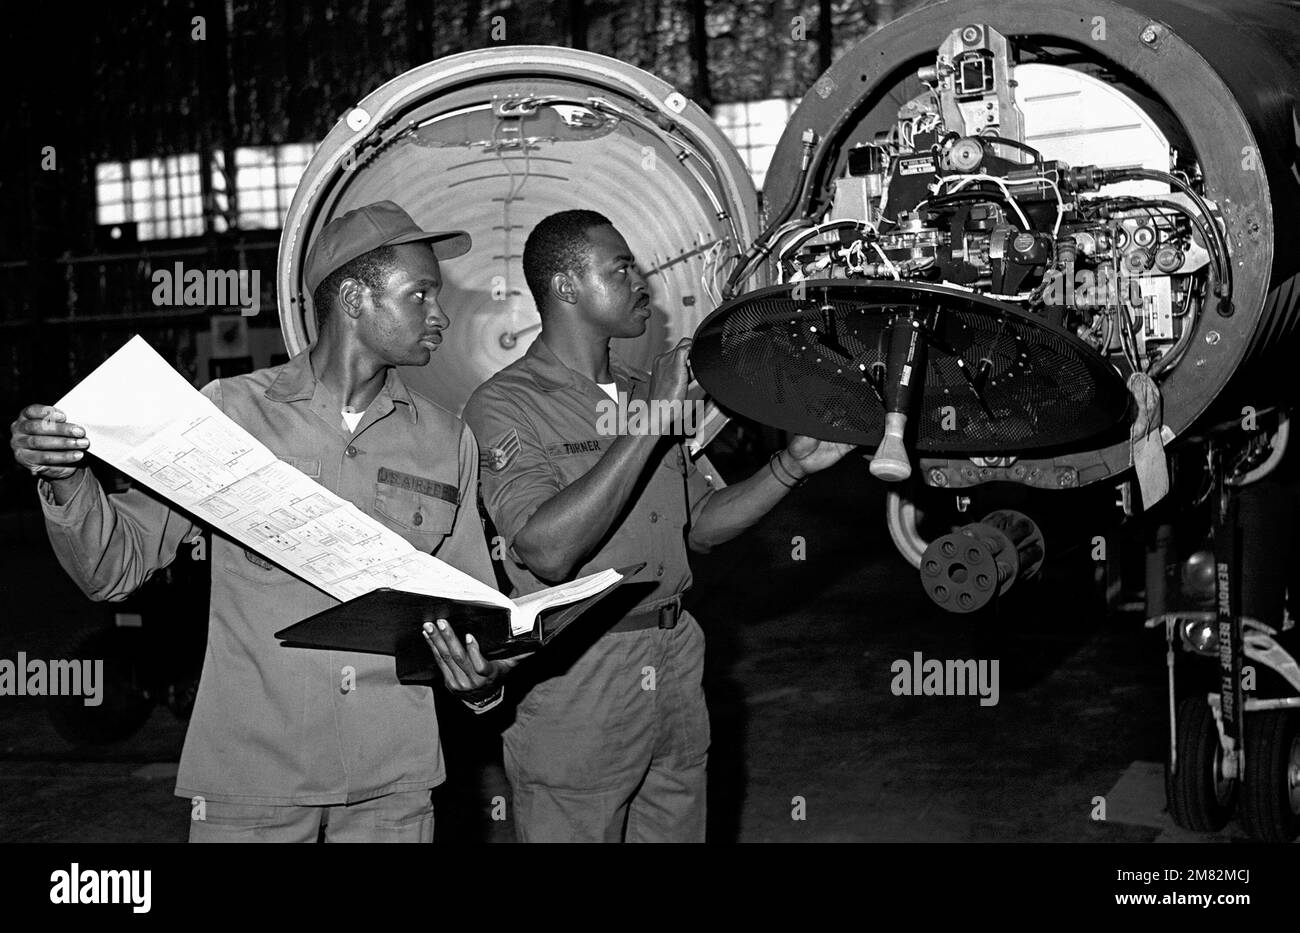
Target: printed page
point(709, 427)
point(530, 606)
point(143, 418)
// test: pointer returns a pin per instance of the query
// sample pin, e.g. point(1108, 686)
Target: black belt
point(662, 615)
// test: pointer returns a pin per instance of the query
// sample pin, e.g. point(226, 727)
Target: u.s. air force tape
point(425, 487)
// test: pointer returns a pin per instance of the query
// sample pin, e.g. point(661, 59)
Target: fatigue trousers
point(615, 749)
point(401, 817)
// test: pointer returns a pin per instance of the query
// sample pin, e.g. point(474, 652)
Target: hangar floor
point(799, 687)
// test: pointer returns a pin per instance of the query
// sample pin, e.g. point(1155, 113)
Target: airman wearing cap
point(291, 744)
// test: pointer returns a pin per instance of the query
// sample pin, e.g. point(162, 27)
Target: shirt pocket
point(421, 519)
point(248, 564)
point(304, 465)
point(674, 459)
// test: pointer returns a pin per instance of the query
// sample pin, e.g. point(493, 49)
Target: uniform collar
point(552, 375)
point(297, 382)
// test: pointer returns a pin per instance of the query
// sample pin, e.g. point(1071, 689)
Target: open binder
point(391, 621)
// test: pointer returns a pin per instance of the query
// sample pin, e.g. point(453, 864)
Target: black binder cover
point(388, 621)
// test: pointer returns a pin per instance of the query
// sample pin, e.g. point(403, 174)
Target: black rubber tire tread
point(123, 710)
point(1190, 793)
point(1265, 808)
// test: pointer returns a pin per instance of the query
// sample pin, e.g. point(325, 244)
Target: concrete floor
point(799, 687)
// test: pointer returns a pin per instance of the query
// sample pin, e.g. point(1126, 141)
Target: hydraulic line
point(762, 246)
point(1222, 288)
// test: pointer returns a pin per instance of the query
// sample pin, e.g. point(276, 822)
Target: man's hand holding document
point(144, 419)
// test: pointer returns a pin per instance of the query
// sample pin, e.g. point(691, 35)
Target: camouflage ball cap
point(359, 231)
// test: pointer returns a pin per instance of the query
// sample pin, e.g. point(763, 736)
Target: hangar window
point(265, 177)
point(161, 196)
point(754, 128)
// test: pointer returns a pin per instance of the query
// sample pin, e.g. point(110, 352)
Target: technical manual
point(143, 418)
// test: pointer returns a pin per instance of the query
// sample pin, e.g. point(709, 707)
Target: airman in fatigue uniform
point(610, 745)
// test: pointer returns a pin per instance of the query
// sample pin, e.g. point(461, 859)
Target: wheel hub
point(1222, 783)
point(1293, 776)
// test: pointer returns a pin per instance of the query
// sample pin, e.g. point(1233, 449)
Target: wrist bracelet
point(795, 481)
point(479, 698)
point(798, 480)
